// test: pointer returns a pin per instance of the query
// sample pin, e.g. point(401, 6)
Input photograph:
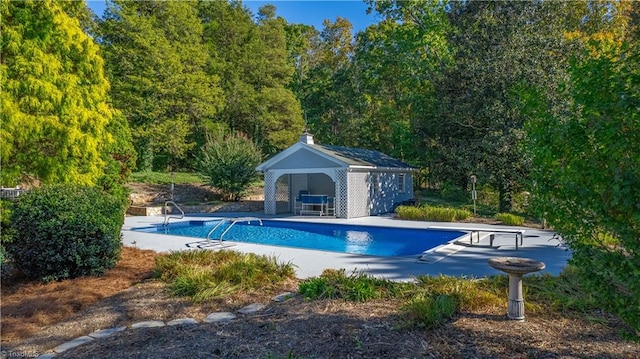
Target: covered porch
point(309, 192)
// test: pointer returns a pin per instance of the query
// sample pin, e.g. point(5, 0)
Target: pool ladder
point(219, 241)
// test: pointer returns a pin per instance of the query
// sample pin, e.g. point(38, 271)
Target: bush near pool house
point(65, 231)
point(431, 213)
point(510, 219)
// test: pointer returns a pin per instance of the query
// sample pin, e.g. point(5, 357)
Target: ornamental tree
point(55, 107)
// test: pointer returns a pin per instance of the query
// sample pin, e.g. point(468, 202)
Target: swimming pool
point(355, 239)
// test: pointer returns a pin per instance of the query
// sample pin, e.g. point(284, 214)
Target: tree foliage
point(586, 166)
point(56, 117)
point(252, 60)
point(161, 77)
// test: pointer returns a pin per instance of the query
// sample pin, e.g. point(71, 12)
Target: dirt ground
point(35, 318)
point(142, 194)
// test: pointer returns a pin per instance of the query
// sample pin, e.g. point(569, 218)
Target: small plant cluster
point(429, 302)
point(356, 287)
point(205, 275)
point(65, 231)
point(431, 213)
point(432, 301)
point(510, 219)
point(437, 299)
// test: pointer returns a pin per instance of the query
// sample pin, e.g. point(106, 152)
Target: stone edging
point(216, 317)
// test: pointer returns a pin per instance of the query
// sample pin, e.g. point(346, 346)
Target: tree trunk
point(505, 196)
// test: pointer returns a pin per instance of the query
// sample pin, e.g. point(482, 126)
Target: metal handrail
point(216, 227)
point(233, 222)
point(166, 214)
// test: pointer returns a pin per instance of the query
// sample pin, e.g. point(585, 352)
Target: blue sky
point(301, 11)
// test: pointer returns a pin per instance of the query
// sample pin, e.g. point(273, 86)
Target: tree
point(65, 231)
point(476, 125)
point(324, 90)
point(56, 116)
point(587, 173)
point(229, 164)
point(161, 77)
point(252, 61)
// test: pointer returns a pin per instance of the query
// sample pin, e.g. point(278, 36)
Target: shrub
point(65, 231)
point(510, 219)
point(204, 275)
point(432, 310)
point(431, 213)
point(357, 287)
point(229, 164)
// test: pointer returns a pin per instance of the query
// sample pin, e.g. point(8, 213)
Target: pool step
point(210, 244)
point(439, 253)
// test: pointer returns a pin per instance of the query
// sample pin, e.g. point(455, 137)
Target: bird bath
point(516, 267)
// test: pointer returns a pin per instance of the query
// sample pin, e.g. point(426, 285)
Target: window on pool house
point(401, 182)
point(375, 183)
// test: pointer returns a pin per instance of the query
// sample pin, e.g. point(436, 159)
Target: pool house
point(313, 179)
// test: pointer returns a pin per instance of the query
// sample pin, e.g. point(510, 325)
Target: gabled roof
point(347, 156)
point(361, 157)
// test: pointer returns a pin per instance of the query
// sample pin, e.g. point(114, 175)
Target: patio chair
point(297, 206)
point(331, 206)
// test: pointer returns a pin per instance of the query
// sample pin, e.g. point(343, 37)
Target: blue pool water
point(369, 240)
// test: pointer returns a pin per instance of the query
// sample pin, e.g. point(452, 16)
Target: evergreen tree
point(56, 117)
point(327, 86)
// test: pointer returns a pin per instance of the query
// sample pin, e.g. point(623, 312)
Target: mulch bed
point(300, 328)
point(338, 329)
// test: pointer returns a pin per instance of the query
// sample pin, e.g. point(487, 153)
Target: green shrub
point(453, 192)
point(65, 231)
point(431, 213)
point(203, 275)
point(357, 287)
point(229, 164)
point(432, 310)
point(510, 219)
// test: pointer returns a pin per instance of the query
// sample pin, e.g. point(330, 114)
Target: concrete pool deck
point(456, 259)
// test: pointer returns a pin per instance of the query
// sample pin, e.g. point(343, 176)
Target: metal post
point(172, 185)
point(474, 195)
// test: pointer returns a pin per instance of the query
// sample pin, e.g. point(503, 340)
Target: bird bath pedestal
point(516, 267)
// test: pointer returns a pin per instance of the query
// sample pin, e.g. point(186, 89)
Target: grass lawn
point(165, 177)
